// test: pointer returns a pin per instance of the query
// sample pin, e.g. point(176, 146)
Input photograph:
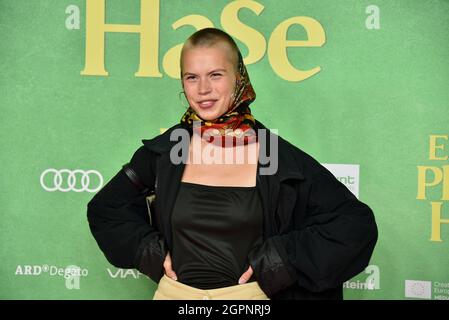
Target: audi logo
point(71, 177)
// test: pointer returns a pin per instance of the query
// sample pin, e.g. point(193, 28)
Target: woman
point(222, 229)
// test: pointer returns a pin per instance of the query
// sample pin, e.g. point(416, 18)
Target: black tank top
point(214, 228)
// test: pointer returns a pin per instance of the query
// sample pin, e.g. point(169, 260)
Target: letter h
point(149, 38)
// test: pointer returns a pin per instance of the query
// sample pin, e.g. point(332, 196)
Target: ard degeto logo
point(71, 274)
point(66, 180)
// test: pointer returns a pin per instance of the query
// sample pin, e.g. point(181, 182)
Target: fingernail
point(175, 278)
point(241, 280)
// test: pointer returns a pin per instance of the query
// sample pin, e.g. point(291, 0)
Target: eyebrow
point(213, 71)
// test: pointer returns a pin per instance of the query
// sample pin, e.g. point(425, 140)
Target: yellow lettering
point(437, 221)
point(253, 39)
point(172, 57)
point(149, 38)
point(422, 184)
point(148, 30)
point(434, 146)
point(278, 44)
point(445, 193)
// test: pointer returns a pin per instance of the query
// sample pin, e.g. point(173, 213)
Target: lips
point(204, 104)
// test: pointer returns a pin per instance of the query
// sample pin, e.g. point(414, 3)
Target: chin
point(208, 116)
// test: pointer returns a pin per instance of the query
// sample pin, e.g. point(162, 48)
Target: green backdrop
point(380, 103)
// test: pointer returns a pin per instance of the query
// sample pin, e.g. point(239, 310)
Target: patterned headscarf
point(237, 123)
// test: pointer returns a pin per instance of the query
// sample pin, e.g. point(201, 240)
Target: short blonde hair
point(209, 37)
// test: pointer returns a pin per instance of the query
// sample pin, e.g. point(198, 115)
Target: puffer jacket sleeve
point(118, 219)
point(333, 243)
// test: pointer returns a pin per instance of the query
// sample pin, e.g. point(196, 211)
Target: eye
point(216, 75)
point(190, 78)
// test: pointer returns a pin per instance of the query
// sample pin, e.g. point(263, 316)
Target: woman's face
point(209, 79)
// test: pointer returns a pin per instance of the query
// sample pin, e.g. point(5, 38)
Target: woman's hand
point(168, 268)
point(246, 276)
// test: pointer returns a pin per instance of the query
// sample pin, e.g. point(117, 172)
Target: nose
point(204, 86)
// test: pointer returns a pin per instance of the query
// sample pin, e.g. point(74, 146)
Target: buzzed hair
point(209, 37)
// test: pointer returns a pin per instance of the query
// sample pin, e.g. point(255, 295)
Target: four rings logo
point(71, 180)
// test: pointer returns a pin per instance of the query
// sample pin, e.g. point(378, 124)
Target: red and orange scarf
point(237, 123)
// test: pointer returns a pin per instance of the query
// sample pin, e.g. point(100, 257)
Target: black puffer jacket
point(317, 234)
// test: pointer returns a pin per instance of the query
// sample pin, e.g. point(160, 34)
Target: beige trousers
point(169, 289)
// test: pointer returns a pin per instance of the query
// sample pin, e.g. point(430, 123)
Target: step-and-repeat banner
point(361, 85)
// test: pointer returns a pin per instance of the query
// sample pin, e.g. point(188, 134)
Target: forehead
point(202, 57)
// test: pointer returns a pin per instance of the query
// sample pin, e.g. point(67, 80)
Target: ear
point(237, 81)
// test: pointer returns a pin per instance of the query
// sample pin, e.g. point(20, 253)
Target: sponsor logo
point(423, 289)
point(66, 180)
point(348, 174)
point(418, 289)
point(441, 290)
point(71, 274)
point(124, 273)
